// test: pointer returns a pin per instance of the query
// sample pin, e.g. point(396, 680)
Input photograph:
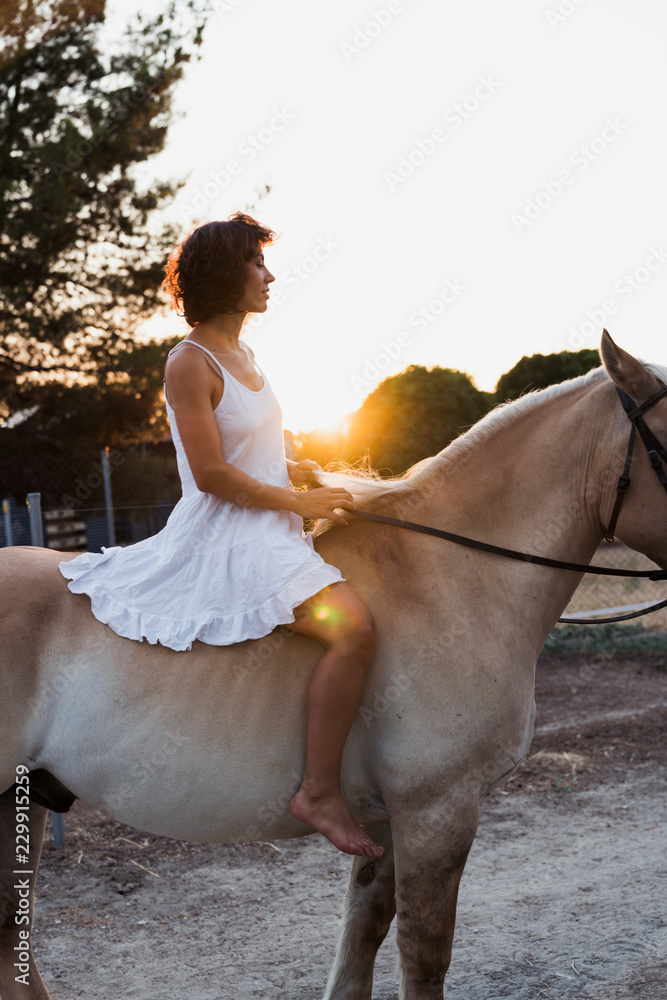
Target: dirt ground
point(564, 895)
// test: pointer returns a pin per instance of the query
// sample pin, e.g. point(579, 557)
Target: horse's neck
point(528, 481)
point(531, 478)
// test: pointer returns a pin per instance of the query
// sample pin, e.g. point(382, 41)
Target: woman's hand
point(325, 501)
point(318, 501)
point(303, 473)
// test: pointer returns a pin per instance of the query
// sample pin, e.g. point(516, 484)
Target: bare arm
point(193, 390)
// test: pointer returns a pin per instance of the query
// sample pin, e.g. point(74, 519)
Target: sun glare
point(330, 422)
point(308, 415)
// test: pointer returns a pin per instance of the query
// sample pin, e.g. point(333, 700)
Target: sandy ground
point(564, 896)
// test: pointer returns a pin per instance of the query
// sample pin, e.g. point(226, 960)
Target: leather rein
point(657, 455)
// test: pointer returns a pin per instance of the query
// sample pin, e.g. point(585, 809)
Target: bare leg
point(340, 619)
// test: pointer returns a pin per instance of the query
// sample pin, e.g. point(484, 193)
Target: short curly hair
point(206, 272)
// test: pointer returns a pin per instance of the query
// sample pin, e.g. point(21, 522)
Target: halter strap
point(637, 411)
point(654, 449)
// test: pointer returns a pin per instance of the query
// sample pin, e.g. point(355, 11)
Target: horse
point(208, 745)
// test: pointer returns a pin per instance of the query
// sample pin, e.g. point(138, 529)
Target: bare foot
point(330, 816)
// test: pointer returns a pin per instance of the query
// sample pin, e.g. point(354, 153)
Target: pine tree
point(80, 255)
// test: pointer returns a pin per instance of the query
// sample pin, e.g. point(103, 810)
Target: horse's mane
point(370, 490)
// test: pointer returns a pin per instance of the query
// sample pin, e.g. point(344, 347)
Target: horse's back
point(224, 718)
point(33, 592)
point(214, 708)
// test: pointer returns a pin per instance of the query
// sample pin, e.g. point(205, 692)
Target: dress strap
point(200, 347)
point(251, 355)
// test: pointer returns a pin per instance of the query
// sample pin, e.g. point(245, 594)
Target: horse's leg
point(430, 851)
point(13, 889)
point(369, 911)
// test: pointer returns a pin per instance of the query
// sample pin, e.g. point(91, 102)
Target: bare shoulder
point(248, 349)
point(187, 361)
point(188, 371)
point(183, 358)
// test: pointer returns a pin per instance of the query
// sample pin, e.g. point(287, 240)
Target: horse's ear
point(626, 371)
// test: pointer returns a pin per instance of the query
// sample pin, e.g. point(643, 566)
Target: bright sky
point(456, 184)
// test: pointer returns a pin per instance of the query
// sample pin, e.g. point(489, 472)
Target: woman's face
point(258, 278)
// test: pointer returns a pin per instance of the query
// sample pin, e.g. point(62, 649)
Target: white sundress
point(218, 572)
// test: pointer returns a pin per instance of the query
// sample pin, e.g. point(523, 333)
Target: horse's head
point(642, 521)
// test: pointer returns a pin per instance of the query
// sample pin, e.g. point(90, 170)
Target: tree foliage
point(126, 405)
point(417, 413)
point(540, 370)
point(407, 418)
point(80, 257)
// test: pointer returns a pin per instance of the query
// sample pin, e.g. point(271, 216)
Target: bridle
point(655, 450)
point(656, 453)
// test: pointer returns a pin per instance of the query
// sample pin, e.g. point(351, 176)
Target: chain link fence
point(616, 595)
point(79, 514)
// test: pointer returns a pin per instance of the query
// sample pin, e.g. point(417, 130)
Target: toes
point(344, 834)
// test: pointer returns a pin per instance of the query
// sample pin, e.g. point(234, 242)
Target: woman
point(233, 562)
